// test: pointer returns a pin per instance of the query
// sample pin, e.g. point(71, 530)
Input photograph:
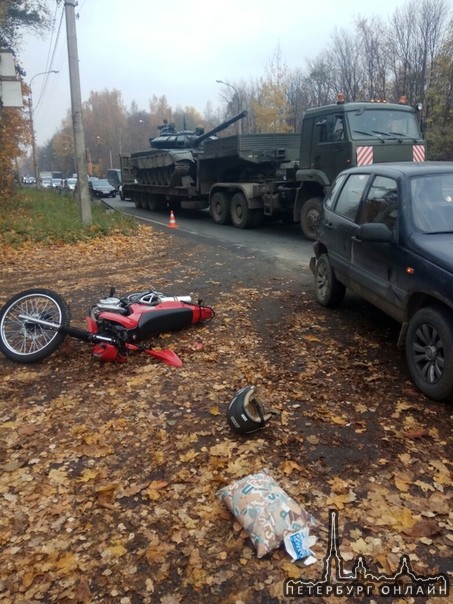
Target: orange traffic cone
point(172, 224)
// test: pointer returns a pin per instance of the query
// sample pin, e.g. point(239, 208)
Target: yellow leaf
point(57, 477)
point(66, 563)
point(401, 485)
point(214, 410)
point(189, 456)
point(88, 474)
point(404, 518)
point(340, 501)
point(337, 419)
point(158, 484)
point(310, 338)
point(289, 466)
point(338, 485)
point(115, 551)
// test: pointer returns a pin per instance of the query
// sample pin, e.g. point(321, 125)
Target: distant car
point(46, 183)
point(100, 187)
point(385, 233)
point(114, 178)
point(69, 184)
point(56, 183)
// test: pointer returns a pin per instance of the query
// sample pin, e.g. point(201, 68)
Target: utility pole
point(76, 105)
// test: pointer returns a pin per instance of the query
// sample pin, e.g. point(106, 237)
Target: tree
point(440, 102)
point(104, 120)
point(15, 134)
point(415, 35)
point(271, 107)
point(374, 58)
point(15, 16)
point(19, 15)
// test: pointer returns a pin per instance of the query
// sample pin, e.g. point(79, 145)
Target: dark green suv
point(386, 233)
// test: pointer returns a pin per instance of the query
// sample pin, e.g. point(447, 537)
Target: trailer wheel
point(309, 217)
point(241, 216)
point(220, 208)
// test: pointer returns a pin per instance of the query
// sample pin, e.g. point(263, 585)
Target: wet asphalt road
point(284, 245)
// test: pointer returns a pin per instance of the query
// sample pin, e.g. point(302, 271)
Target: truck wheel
point(309, 217)
point(429, 352)
point(241, 216)
point(329, 291)
point(220, 208)
point(155, 203)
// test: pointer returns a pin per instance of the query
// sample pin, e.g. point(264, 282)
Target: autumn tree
point(439, 100)
point(63, 146)
point(105, 120)
point(271, 107)
point(14, 134)
point(17, 16)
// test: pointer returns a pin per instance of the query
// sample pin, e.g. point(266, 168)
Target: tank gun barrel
point(199, 139)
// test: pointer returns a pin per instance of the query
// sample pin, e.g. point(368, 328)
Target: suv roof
point(408, 168)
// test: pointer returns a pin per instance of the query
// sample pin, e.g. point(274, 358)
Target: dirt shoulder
point(109, 473)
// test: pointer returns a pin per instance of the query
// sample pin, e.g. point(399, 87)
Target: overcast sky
point(179, 48)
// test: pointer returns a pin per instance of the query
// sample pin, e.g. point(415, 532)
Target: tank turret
point(170, 138)
point(172, 159)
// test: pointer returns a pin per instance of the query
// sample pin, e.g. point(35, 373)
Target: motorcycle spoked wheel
point(23, 341)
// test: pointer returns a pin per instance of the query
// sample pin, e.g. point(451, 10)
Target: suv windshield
point(432, 203)
point(383, 124)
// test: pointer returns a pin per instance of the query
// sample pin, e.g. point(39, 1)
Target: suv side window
point(381, 203)
point(333, 191)
point(349, 199)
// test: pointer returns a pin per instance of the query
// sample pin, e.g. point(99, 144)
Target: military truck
point(243, 179)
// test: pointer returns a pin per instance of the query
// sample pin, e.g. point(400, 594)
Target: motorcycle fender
point(91, 325)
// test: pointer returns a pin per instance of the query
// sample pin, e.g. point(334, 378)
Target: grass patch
point(45, 216)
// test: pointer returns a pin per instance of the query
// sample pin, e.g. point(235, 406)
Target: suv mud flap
point(402, 336)
point(312, 264)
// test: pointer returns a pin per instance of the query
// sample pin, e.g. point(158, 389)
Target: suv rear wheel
point(429, 352)
point(329, 291)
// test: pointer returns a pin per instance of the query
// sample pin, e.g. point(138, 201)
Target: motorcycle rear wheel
point(22, 340)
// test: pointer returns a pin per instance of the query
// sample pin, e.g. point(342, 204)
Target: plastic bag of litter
point(264, 509)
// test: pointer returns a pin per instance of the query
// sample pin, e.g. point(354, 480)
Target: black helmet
point(245, 413)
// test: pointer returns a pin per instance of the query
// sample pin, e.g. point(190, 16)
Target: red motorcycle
point(35, 322)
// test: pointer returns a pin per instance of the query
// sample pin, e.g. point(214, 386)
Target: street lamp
point(237, 98)
point(33, 138)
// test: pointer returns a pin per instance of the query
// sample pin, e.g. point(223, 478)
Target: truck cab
point(343, 135)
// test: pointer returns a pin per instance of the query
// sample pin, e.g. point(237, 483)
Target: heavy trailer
point(242, 179)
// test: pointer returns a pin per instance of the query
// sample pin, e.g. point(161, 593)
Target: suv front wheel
point(429, 352)
point(329, 291)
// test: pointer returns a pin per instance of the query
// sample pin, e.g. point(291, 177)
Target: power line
point(51, 57)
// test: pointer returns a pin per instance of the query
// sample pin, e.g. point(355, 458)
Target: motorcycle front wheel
point(22, 338)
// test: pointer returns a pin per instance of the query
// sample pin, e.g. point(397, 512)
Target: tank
point(171, 161)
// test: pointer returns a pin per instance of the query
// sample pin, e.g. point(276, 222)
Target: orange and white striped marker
point(172, 224)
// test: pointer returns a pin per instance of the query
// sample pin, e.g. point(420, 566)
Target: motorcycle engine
point(110, 304)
